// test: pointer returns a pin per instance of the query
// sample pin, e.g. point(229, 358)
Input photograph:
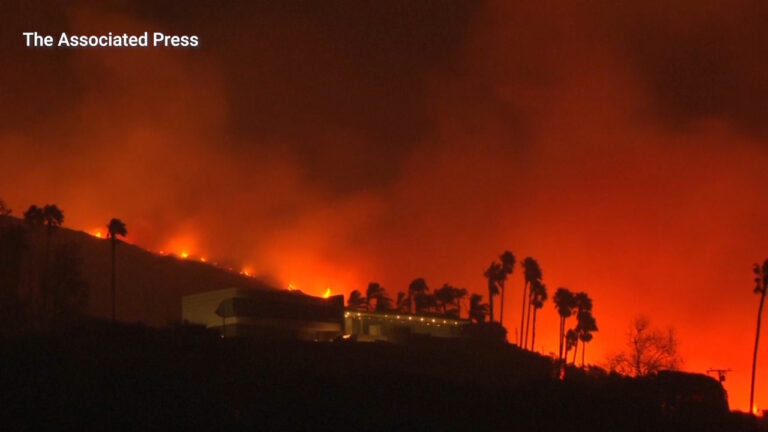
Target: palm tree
point(444, 297)
point(507, 267)
point(356, 300)
point(416, 288)
point(538, 297)
point(373, 292)
point(459, 295)
point(564, 302)
point(115, 228)
point(761, 286)
point(532, 273)
point(477, 309)
point(383, 302)
point(586, 324)
point(493, 273)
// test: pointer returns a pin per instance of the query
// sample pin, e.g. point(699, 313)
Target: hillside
point(149, 286)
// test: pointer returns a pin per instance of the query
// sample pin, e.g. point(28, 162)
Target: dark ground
point(136, 377)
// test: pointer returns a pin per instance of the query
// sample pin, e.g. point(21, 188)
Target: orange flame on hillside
point(327, 293)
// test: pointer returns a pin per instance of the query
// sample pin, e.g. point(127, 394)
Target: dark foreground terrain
point(135, 377)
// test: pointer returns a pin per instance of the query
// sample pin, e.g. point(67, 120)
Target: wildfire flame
point(185, 255)
point(327, 293)
point(291, 287)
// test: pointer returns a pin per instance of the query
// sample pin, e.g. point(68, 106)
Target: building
point(395, 327)
point(271, 314)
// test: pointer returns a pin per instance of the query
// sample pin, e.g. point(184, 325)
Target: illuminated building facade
point(271, 314)
point(394, 327)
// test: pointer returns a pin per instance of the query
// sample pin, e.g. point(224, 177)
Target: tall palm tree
point(586, 324)
point(115, 228)
point(761, 286)
point(507, 267)
point(532, 273)
point(538, 297)
point(493, 273)
point(564, 302)
point(416, 288)
point(477, 309)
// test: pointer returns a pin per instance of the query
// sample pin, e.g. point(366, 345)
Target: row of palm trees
point(52, 217)
point(445, 300)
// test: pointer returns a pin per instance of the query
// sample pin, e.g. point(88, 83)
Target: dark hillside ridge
point(149, 286)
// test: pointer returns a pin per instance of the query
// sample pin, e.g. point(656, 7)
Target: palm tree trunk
point(527, 324)
point(490, 303)
point(533, 330)
point(501, 307)
point(114, 280)
point(522, 313)
point(560, 351)
point(754, 355)
point(583, 350)
point(575, 350)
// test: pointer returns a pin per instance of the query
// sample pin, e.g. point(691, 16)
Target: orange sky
point(625, 149)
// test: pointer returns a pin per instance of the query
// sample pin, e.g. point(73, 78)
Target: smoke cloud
point(336, 143)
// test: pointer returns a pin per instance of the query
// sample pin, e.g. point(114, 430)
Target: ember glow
point(621, 144)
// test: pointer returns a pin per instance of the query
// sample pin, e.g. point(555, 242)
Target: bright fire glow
point(97, 234)
point(185, 255)
point(327, 293)
point(203, 259)
point(291, 287)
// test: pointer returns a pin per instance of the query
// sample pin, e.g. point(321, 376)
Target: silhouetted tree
point(565, 303)
point(459, 295)
point(648, 350)
point(115, 228)
point(403, 302)
point(571, 342)
point(383, 302)
point(417, 287)
point(761, 286)
point(448, 299)
point(494, 273)
point(426, 303)
point(373, 292)
point(356, 300)
point(538, 297)
point(586, 325)
point(477, 309)
point(34, 216)
point(532, 272)
point(582, 305)
point(508, 261)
